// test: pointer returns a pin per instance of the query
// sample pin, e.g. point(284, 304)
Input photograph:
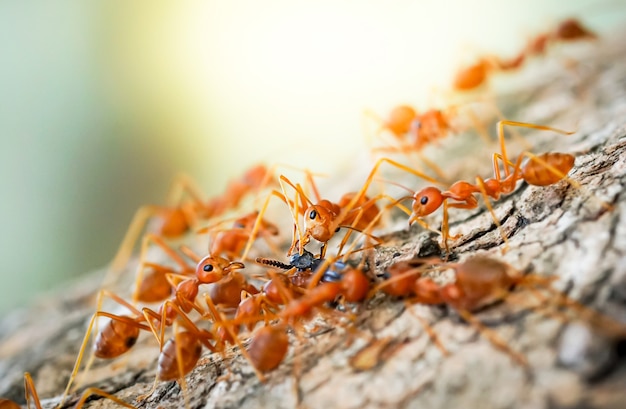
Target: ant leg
point(445, 229)
point(312, 184)
point(181, 184)
point(124, 252)
point(378, 134)
point(95, 391)
point(432, 166)
point(30, 391)
point(428, 328)
point(219, 319)
point(145, 243)
point(259, 221)
point(301, 197)
point(374, 221)
point(179, 362)
point(126, 320)
point(159, 333)
point(167, 249)
point(493, 337)
point(269, 175)
point(145, 396)
point(606, 324)
point(93, 324)
point(369, 180)
point(483, 191)
point(501, 125)
point(476, 123)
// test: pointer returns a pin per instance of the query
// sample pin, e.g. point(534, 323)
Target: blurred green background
point(103, 102)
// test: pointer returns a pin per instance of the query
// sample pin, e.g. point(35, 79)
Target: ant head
point(426, 201)
point(209, 270)
point(317, 220)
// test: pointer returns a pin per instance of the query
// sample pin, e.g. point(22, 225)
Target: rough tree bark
point(557, 231)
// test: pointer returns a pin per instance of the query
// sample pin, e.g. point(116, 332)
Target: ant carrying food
point(324, 218)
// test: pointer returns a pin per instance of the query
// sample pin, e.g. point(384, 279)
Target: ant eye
point(424, 200)
point(312, 214)
point(208, 268)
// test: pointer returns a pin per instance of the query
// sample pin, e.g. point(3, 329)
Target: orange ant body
point(269, 344)
point(567, 31)
point(233, 241)
point(414, 131)
point(227, 282)
point(122, 332)
point(156, 285)
point(324, 218)
point(480, 281)
point(425, 127)
point(541, 170)
point(268, 347)
point(178, 217)
point(475, 75)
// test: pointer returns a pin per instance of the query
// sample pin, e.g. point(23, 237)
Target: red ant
point(116, 338)
point(156, 285)
point(424, 128)
point(269, 344)
point(232, 242)
point(227, 283)
point(568, 30)
point(354, 211)
point(322, 219)
point(480, 281)
point(178, 217)
point(180, 354)
point(475, 75)
point(542, 170)
point(121, 332)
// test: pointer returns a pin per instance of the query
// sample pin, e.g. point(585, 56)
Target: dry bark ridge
point(554, 231)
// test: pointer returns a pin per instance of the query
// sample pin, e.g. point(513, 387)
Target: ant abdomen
point(268, 347)
point(154, 286)
point(116, 338)
point(190, 351)
point(8, 404)
point(537, 174)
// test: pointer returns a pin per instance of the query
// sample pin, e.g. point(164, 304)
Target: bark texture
point(385, 358)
